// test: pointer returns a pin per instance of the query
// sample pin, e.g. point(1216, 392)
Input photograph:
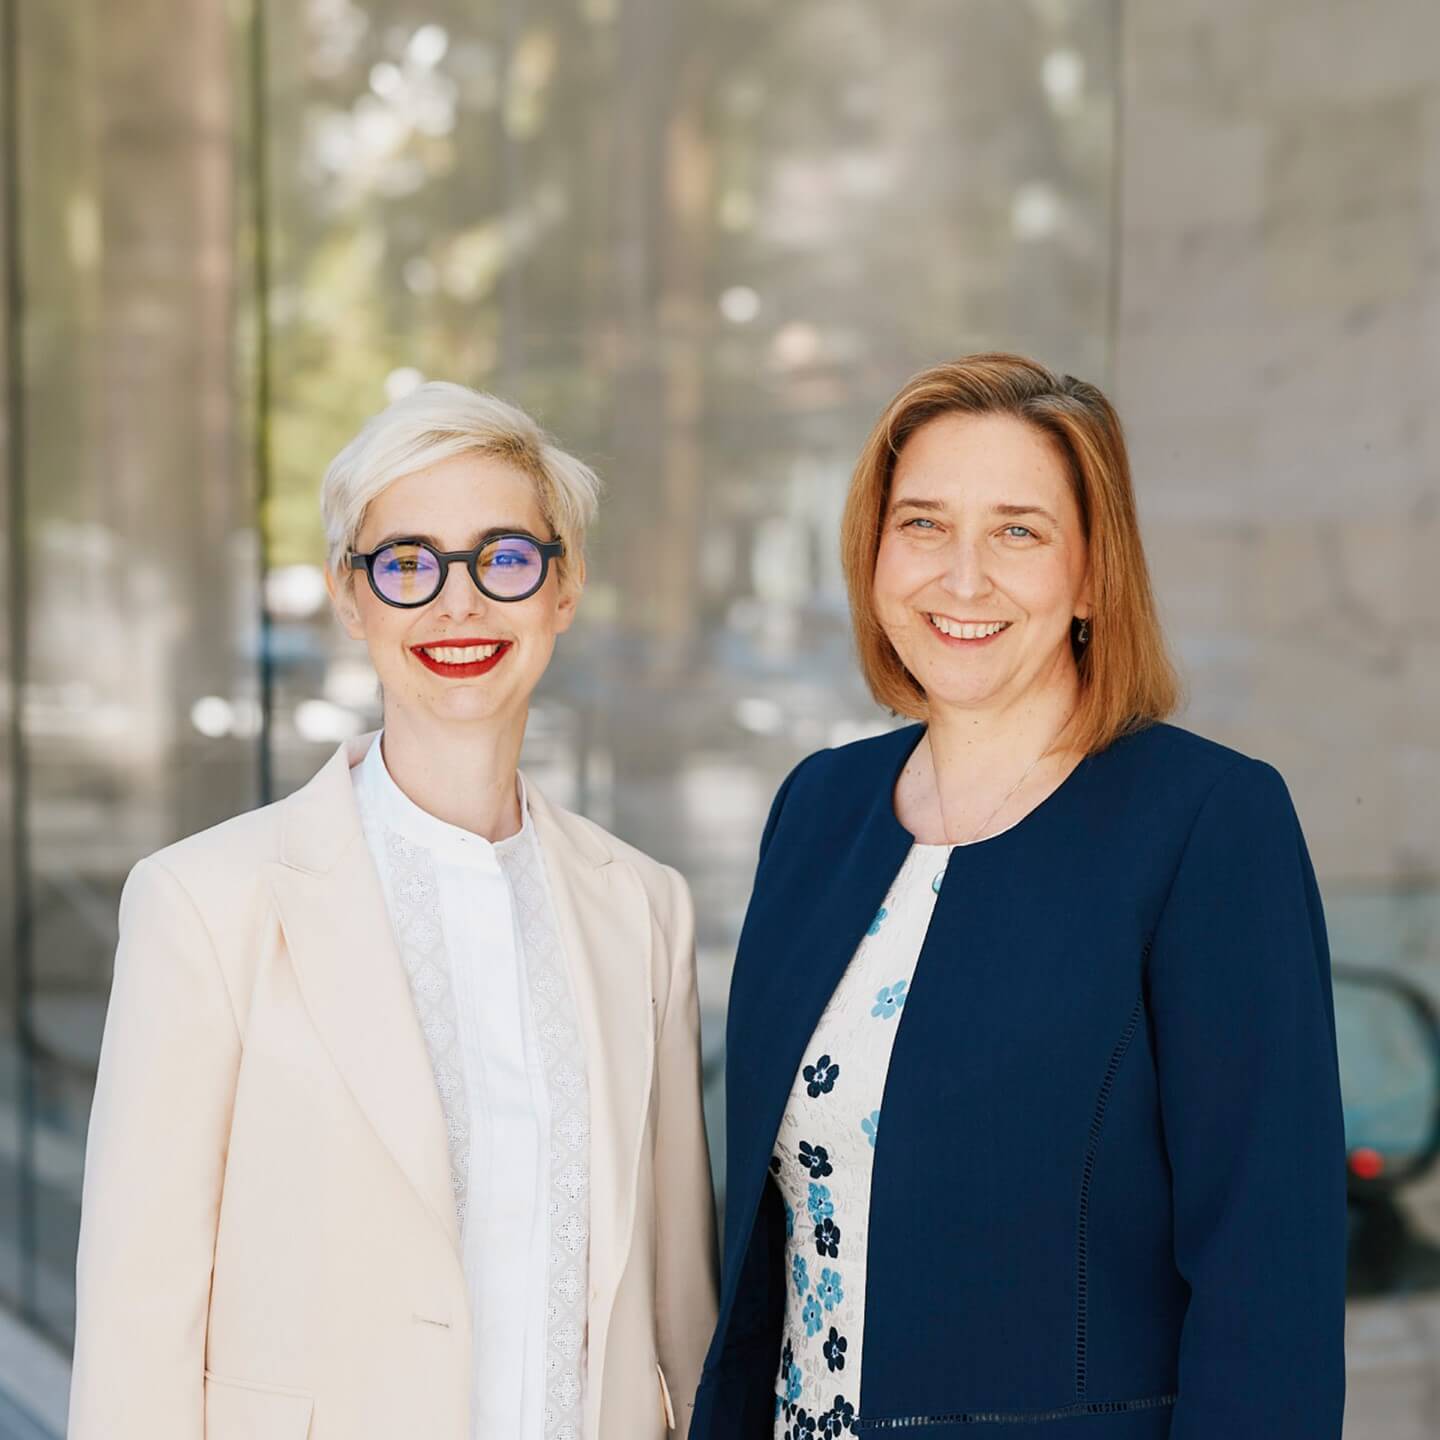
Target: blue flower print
point(800, 1272)
point(802, 1427)
point(839, 1418)
point(815, 1159)
point(789, 1380)
point(793, 1381)
point(889, 1000)
point(790, 1220)
point(774, 1164)
point(829, 1290)
point(821, 1206)
point(875, 923)
point(820, 1077)
point(827, 1239)
point(811, 1315)
point(834, 1350)
point(871, 1126)
point(778, 1403)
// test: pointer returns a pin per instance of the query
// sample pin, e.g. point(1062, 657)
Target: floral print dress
point(824, 1155)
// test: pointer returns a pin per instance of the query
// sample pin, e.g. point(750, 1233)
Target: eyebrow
point(917, 504)
point(1011, 510)
point(1025, 510)
point(477, 539)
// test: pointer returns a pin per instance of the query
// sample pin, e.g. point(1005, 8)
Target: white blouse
point(476, 930)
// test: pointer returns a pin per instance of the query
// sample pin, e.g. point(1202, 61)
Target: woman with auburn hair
point(1034, 1115)
point(397, 1130)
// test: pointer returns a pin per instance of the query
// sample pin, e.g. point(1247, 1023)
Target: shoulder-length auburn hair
point(1127, 680)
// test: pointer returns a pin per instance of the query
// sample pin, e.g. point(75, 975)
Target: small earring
point(1084, 636)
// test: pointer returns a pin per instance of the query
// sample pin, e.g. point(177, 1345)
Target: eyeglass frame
point(549, 550)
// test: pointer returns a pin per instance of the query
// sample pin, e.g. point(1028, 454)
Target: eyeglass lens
point(510, 566)
point(410, 574)
point(406, 574)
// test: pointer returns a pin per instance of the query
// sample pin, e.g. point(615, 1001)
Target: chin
point(473, 706)
point(459, 704)
point(950, 689)
point(959, 699)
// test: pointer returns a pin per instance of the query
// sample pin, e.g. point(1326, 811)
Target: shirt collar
point(449, 843)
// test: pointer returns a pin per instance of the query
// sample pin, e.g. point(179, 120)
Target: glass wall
point(132, 575)
point(702, 243)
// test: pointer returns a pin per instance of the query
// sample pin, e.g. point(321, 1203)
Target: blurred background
point(703, 243)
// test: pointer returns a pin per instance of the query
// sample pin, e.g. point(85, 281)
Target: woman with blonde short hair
point(1034, 1114)
point(397, 1130)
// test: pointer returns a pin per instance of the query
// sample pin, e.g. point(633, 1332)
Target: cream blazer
point(268, 1241)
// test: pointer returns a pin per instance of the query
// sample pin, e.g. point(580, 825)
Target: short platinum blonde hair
point(438, 421)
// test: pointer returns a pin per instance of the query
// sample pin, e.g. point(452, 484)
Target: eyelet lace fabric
point(414, 896)
point(552, 1008)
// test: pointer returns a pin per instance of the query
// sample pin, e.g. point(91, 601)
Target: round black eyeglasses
point(408, 573)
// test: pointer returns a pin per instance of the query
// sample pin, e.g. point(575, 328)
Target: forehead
point(454, 500)
point(981, 459)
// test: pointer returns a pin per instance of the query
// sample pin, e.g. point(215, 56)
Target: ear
point(342, 601)
point(569, 598)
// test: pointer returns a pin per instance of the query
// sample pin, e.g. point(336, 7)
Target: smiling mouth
point(461, 659)
point(971, 630)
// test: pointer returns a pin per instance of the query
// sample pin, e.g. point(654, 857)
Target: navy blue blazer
point(1109, 1191)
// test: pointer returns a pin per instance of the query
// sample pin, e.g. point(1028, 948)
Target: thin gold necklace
point(935, 884)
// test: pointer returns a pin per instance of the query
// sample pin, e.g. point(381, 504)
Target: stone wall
point(1276, 357)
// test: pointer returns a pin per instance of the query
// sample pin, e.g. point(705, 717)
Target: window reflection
point(138, 550)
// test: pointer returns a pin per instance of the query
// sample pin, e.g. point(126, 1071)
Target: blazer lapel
point(341, 944)
point(604, 919)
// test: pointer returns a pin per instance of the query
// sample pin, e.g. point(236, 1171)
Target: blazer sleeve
point(154, 1164)
point(1244, 1028)
point(685, 1264)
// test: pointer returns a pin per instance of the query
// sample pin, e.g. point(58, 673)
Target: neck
point(461, 772)
point(989, 765)
point(971, 741)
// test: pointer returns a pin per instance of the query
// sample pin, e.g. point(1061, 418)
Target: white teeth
point(459, 654)
point(946, 626)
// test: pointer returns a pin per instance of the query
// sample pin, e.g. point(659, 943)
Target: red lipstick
point(467, 669)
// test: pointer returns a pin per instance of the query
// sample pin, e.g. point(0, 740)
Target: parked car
point(1388, 1033)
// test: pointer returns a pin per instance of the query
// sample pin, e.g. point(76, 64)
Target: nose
point(459, 597)
point(967, 572)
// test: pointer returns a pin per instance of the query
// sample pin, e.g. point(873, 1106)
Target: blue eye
point(1024, 530)
point(919, 520)
point(509, 559)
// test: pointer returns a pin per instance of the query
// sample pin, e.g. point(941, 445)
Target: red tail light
point(1366, 1163)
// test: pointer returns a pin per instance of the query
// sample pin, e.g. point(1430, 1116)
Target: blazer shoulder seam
point(155, 863)
point(1210, 792)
